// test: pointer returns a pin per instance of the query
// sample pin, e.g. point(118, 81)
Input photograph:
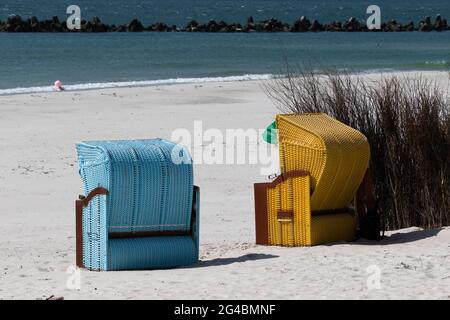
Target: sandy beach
point(39, 182)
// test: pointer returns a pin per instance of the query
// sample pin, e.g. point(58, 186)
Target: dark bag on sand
point(370, 226)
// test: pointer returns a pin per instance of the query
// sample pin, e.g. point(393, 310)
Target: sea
point(31, 62)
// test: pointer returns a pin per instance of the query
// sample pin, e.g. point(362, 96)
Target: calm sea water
point(90, 60)
point(181, 11)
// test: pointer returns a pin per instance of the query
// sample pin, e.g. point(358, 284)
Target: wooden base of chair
point(261, 207)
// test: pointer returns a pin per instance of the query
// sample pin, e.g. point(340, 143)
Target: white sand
point(39, 182)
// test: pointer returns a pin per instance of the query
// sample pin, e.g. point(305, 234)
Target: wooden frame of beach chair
point(323, 163)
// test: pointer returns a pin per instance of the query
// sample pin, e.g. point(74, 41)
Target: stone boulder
point(301, 25)
point(135, 26)
point(316, 26)
point(158, 27)
point(352, 25)
point(192, 26)
point(440, 24)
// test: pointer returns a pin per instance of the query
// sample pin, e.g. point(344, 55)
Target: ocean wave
point(438, 63)
point(145, 83)
point(379, 71)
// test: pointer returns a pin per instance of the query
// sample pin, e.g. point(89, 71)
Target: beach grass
point(407, 122)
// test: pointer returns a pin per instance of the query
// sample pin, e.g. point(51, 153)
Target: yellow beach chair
point(323, 163)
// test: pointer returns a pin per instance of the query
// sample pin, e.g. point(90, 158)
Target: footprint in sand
point(42, 269)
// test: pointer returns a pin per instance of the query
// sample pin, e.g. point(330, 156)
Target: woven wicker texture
point(151, 252)
point(336, 156)
point(290, 195)
point(333, 227)
point(147, 192)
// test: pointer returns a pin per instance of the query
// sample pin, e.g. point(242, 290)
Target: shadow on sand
point(227, 261)
point(405, 237)
point(400, 237)
point(394, 238)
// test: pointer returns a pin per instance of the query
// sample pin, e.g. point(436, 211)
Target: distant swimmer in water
point(58, 85)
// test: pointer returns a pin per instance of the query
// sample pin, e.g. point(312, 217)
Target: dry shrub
point(407, 122)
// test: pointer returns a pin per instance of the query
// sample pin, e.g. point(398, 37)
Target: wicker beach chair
point(323, 163)
point(140, 209)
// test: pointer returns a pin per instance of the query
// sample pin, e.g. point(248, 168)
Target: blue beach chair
point(141, 210)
